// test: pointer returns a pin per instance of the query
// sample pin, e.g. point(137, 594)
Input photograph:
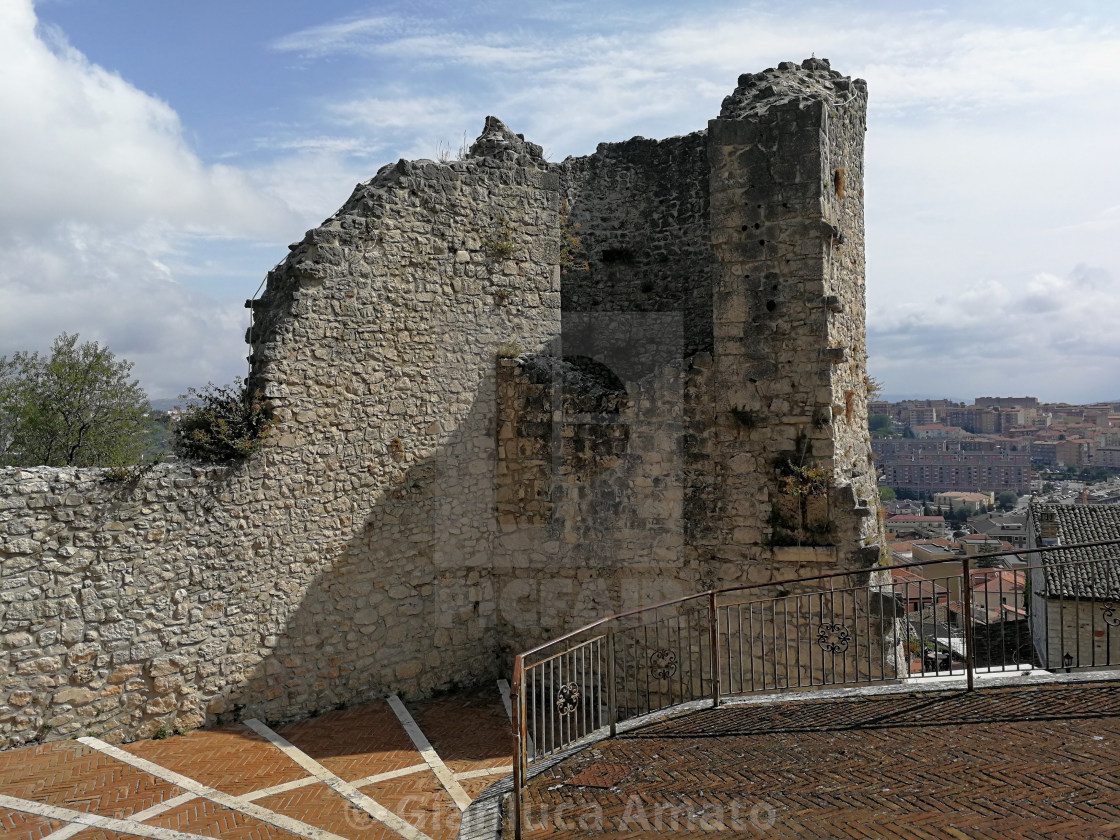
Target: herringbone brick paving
point(422, 801)
point(25, 826)
point(469, 730)
point(1011, 763)
point(232, 759)
point(356, 742)
point(320, 806)
point(474, 787)
point(363, 741)
point(201, 816)
point(79, 778)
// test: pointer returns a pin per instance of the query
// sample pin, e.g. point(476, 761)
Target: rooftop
point(1088, 572)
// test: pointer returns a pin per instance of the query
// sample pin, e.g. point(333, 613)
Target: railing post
point(612, 704)
point(969, 652)
point(518, 714)
point(713, 634)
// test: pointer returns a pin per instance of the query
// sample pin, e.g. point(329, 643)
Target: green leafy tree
point(76, 407)
point(1007, 499)
point(879, 423)
point(886, 494)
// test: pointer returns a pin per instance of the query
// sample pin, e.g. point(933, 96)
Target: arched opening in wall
point(591, 387)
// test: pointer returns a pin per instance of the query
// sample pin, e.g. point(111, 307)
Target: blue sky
point(158, 157)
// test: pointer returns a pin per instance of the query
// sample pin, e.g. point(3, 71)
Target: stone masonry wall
point(474, 450)
point(351, 556)
point(789, 313)
point(785, 386)
point(640, 212)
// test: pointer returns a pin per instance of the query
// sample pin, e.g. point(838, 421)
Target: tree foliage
point(1007, 499)
point(223, 423)
point(76, 407)
point(879, 423)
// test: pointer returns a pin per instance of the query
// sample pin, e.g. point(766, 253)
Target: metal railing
point(883, 624)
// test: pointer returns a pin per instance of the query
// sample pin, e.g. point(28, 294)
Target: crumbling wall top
point(812, 79)
point(498, 140)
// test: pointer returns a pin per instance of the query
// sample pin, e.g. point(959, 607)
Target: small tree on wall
point(223, 423)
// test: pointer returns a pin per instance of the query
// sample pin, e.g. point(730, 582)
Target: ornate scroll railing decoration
point(851, 628)
point(833, 638)
point(663, 663)
point(567, 698)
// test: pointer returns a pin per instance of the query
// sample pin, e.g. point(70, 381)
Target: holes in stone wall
point(613, 255)
point(838, 181)
point(771, 306)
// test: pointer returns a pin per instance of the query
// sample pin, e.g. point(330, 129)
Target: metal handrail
point(607, 626)
point(747, 586)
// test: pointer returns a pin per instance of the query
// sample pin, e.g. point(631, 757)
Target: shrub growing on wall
point(223, 423)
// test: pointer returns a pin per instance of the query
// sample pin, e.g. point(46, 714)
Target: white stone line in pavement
point(263, 793)
point(485, 771)
point(389, 774)
point(233, 802)
point(67, 831)
point(254, 795)
point(140, 816)
point(343, 788)
point(428, 753)
point(84, 820)
point(162, 807)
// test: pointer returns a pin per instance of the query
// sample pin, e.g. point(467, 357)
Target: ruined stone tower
point(512, 396)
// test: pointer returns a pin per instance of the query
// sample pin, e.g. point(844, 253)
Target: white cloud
point(918, 60)
point(116, 290)
point(350, 35)
point(82, 144)
point(1054, 334)
point(416, 114)
point(101, 194)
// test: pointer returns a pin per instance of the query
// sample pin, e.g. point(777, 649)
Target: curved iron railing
point(884, 624)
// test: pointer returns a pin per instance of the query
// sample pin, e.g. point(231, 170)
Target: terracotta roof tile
point(1091, 573)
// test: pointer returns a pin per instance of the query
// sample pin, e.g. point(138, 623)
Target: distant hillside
point(165, 404)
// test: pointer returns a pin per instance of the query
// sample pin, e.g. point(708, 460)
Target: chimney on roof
point(1048, 528)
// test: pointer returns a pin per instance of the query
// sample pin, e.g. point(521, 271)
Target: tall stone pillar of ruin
point(792, 453)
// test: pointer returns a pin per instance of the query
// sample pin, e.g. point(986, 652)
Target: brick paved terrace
point(1008, 762)
point(379, 771)
point(1013, 761)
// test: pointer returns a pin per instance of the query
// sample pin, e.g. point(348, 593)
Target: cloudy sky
point(156, 158)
